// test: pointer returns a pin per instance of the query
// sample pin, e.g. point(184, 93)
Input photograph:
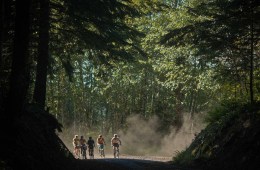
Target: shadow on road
point(124, 164)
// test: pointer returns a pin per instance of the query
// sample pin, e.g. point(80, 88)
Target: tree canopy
point(85, 67)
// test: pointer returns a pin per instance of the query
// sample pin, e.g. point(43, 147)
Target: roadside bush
point(225, 108)
point(231, 135)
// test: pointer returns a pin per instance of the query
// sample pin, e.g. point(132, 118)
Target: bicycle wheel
point(102, 153)
point(114, 152)
point(77, 153)
point(84, 154)
point(117, 153)
point(91, 153)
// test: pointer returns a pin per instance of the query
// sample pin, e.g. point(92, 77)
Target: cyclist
point(115, 142)
point(76, 145)
point(101, 143)
point(91, 145)
point(83, 144)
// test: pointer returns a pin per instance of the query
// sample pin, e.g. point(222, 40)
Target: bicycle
point(116, 151)
point(77, 151)
point(101, 150)
point(91, 153)
point(84, 151)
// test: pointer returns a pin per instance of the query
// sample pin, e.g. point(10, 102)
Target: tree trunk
point(42, 61)
point(178, 109)
point(1, 32)
point(20, 75)
point(251, 55)
point(7, 10)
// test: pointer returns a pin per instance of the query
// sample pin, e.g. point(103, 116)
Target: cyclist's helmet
point(115, 135)
point(100, 136)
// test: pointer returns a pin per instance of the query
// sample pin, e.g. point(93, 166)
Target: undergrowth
point(229, 124)
point(35, 143)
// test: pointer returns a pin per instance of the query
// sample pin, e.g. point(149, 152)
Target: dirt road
point(128, 163)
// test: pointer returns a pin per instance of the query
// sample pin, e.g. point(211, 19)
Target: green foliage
point(37, 145)
point(3, 165)
point(94, 43)
point(226, 108)
point(168, 82)
point(98, 27)
point(183, 158)
point(227, 128)
point(225, 34)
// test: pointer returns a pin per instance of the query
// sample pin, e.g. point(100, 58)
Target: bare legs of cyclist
point(77, 152)
point(116, 150)
point(101, 150)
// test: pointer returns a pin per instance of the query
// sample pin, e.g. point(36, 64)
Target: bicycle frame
point(77, 152)
point(116, 152)
point(101, 151)
point(84, 152)
point(91, 153)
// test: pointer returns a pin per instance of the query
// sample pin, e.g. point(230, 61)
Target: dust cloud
point(143, 138)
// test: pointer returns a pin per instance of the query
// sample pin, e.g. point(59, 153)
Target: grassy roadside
point(230, 141)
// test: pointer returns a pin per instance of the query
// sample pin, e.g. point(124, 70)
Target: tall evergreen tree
point(43, 53)
point(20, 75)
point(226, 34)
point(1, 32)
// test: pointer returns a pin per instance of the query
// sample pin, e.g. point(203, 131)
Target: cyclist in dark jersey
point(91, 145)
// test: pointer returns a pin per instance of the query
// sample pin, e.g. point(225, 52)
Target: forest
point(91, 67)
